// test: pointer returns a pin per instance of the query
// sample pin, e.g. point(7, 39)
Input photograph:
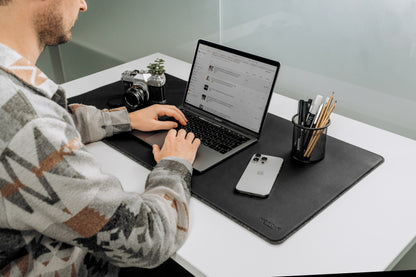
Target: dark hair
point(4, 2)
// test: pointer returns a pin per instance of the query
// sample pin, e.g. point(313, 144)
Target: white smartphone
point(260, 174)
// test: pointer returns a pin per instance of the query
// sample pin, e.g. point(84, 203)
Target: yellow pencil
point(318, 134)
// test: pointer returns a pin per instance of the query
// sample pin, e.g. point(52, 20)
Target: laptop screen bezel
point(243, 54)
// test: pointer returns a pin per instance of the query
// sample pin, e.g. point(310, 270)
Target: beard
point(51, 29)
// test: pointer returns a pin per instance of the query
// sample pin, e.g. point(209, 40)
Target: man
point(59, 214)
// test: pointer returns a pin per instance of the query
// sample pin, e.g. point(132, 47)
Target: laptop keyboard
point(214, 136)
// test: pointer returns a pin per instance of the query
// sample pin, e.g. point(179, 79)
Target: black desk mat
point(301, 190)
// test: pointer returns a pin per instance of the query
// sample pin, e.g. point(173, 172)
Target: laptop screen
point(231, 85)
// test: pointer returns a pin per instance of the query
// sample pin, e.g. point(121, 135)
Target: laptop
point(226, 102)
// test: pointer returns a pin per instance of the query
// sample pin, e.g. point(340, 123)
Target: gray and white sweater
point(60, 215)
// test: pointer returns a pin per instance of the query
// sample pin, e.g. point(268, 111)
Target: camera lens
point(135, 97)
point(264, 159)
point(131, 99)
point(256, 159)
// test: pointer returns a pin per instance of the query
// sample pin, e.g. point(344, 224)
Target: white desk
point(369, 228)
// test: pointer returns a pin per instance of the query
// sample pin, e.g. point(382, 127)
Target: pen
point(318, 113)
point(313, 110)
point(301, 121)
point(304, 112)
point(308, 106)
point(302, 131)
point(299, 111)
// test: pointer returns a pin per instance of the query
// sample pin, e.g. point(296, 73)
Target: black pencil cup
point(308, 144)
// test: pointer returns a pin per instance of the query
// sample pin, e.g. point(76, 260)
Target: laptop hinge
point(218, 121)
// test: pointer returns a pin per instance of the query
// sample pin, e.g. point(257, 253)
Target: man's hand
point(177, 144)
point(147, 119)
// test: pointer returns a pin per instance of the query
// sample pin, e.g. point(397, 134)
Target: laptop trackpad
point(151, 137)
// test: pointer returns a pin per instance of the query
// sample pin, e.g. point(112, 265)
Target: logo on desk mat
point(270, 224)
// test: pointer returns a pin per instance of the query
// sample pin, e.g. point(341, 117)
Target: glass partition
point(363, 50)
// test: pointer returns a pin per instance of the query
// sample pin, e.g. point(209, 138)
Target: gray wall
point(130, 29)
point(71, 61)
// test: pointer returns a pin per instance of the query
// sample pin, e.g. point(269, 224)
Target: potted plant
point(156, 81)
point(156, 68)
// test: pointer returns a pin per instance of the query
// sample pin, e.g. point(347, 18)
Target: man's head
point(54, 21)
point(30, 25)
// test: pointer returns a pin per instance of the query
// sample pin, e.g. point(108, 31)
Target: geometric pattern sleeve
point(54, 186)
point(146, 230)
point(94, 124)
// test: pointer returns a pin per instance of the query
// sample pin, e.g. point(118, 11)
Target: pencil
point(324, 111)
point(318, 134)
point(318, 123)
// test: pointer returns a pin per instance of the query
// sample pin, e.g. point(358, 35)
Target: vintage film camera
point(142, 89)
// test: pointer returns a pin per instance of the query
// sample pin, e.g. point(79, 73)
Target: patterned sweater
point(59, 214)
